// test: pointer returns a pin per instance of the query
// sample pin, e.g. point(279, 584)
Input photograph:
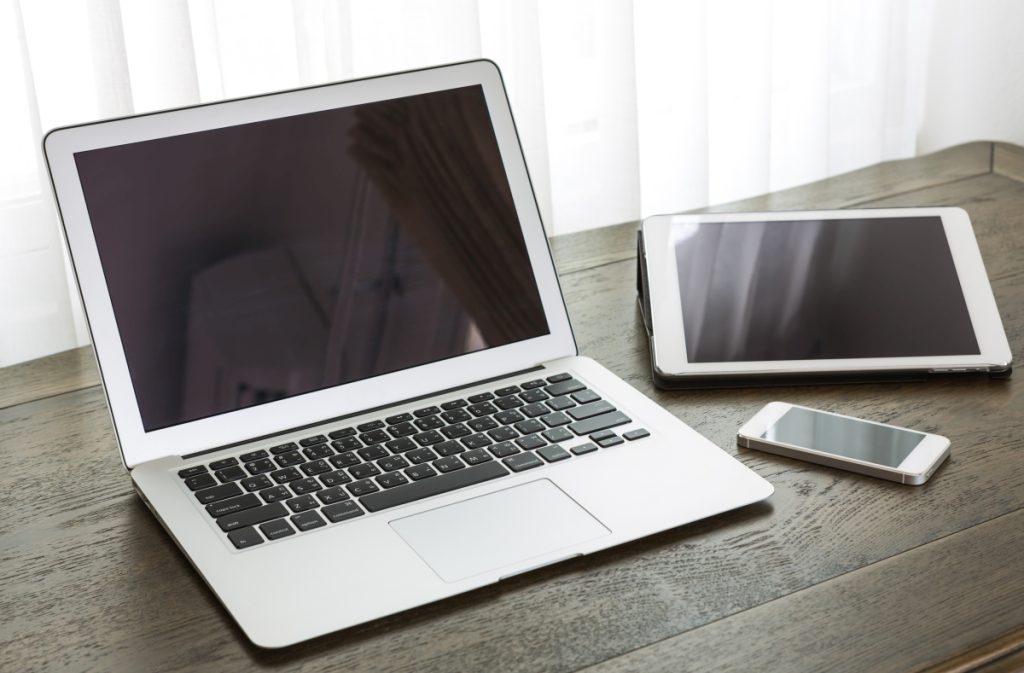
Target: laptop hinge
point(362, 412)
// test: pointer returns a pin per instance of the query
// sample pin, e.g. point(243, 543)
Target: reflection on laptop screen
point(252, 263)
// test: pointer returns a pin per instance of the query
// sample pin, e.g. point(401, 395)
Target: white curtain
point(626, 108)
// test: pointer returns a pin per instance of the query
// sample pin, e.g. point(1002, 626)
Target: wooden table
point(834, 572)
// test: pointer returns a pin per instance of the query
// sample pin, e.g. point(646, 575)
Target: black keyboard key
point(556, 378)
point(392, 479)
point(335, 478)
point(453, 404)
point(482, 409)
point(602, 434)
point(564, 388)
point(260, 466)
point(503, 449)
point(316, 467)
point(429, 437)
point(530, 442)
point(392, 463)
point(555, 435)
point(403, 430)
point(448, 448)
point(192, 471)
point(347, 459)
point(276, 529)
point(420, 456)
point(312, 441)
point(252, 455)
point(536, 383)
point(364, 471)
point(584, 448)
point(602, 422)
point(475, 457)
point(476, 441)
point(232, 473)
point(533, 396)
point(591, 409)
point(302, 503)
point(508, 417)
point(236, 504)
point(586, 396)
point(534, 410)
point(482, 424)
point(329, 496)
point(456, 431)
point(417, 472)
point(308, 521)
point(522, 461)
point(257, 483)
point(370, 426)
point(480, 397)
point(318, 451)
point(426, 411)
point(449, 464)
point(275, 493)
point(634, 435)
point(435, 486)
point(285, 475)
point(510, 402)
point(610, 441)
point(556, 418)
point(502, 434)
point(507, 390)
point(374, 437)
point(401, 445)
point(372, 452)
point(362, 487)
point(343, 432)
point(553, 453)
point(222, 463)
point(204, 480)
point(341, 511)
point(530, 426)
point(251, 517)
point(245, 537)
point(208, 495)
point(289, 459)
point(456, 416)
point(429, 423)
point(398, 418)
point(347, 444)
point(283, 448)
point(560, 403)
point(304, 486)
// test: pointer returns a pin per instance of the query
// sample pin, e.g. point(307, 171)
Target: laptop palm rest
point(498, 529)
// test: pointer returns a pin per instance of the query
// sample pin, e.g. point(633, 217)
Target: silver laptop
point(336, 354)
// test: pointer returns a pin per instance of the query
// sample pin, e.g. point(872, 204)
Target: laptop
point(336, 354)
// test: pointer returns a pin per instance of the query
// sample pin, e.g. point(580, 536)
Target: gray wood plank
point(901, 614)
point(52, 375)
point(1008, 160)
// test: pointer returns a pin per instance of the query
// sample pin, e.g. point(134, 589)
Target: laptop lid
point(257, 265)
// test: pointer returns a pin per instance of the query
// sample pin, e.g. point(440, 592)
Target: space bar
point(432, 486)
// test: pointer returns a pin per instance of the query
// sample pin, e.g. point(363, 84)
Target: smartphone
point(844, 442)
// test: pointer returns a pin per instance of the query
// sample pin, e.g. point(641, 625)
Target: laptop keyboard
point(318, 480)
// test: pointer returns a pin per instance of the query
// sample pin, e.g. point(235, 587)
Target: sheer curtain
point(625, 108)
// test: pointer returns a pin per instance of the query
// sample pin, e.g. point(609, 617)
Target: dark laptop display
point(257, 262)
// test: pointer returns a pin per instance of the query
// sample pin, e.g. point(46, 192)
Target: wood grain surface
point(835, 572)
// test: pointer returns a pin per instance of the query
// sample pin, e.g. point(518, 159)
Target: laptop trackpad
point(498, 529)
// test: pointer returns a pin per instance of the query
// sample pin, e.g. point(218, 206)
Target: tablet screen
point(820, 289)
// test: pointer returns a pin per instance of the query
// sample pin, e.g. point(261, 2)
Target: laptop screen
point(257, 262)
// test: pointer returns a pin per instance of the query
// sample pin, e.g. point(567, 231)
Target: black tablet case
point(745, 381)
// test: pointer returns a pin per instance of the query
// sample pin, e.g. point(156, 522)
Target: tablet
point(742, 297)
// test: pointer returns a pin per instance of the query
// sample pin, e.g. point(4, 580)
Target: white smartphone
point(844, 442)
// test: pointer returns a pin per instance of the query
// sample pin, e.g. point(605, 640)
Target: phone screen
point(847, 437)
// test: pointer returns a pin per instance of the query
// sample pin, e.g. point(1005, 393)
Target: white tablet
point(817, 294)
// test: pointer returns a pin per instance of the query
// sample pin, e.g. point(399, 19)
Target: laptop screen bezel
point(137, 445)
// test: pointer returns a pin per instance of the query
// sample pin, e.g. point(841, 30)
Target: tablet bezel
point(668, 342)
point(138, 445)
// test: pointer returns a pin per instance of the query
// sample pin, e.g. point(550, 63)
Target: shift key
point(602, 422)
point(251, 517)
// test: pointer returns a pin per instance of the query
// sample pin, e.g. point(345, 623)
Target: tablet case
point(683, 382)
